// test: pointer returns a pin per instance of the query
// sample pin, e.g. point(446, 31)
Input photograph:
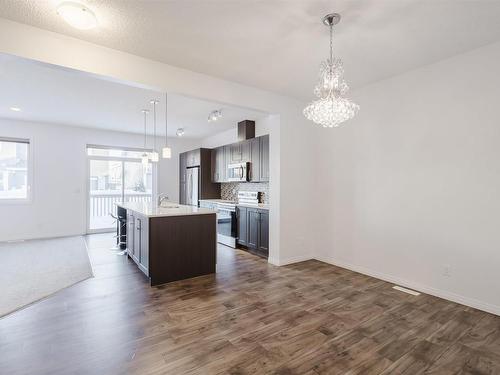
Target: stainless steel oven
point(226, 224)
point(238, 171)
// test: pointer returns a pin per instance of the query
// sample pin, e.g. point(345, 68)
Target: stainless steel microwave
point(238, 172)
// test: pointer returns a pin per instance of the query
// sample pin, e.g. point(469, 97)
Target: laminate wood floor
point(249, 318)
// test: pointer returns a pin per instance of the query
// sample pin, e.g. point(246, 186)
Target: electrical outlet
point(447, 271)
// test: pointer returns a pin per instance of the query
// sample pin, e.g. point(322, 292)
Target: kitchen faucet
point(162, 197)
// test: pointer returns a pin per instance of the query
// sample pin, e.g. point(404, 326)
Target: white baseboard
point(46, 237)
point(471, 302)
point(291, 260)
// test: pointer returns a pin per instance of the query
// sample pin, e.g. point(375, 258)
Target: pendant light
point(166, 152)
point(144, 158)
point(154, 155)
point(332, 107)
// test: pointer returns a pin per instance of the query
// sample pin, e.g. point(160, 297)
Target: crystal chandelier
point(331, 108)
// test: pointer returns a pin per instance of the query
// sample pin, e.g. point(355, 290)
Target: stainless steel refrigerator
point(192, 186)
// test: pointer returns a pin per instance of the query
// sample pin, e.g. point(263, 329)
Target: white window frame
point(29, 184)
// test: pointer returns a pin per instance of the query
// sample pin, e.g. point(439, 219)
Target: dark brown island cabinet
point(170, 243)
point(253, 229)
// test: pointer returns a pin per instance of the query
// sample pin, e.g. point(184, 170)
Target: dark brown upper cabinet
point(193, 158)
point(218, 164)
point(255, 160)
point(238, 152)
point(264, 158)
point(255, 151)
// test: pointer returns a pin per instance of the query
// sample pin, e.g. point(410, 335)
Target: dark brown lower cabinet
point(253, 225)
point(263, 247)
point(241, 218)
point(253, 229)
point(139, 243)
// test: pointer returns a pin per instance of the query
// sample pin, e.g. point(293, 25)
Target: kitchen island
point(171, 242)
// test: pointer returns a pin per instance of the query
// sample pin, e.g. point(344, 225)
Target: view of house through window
point(14, 175)
point(115, 175)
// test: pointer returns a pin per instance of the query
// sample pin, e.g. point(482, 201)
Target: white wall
point(58, 207)
point(412, 184)
point(290, 130)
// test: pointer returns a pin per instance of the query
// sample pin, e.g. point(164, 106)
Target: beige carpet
point(32, 270)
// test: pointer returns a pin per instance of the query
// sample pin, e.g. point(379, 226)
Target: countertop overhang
point(150, 210)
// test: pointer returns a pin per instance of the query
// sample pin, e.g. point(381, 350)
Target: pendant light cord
point(145, 113)
point(166, 119)
point(154, 126)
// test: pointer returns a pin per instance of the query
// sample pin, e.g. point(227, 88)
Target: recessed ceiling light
point(180, 132)
point(77, 15)
point(15, 109)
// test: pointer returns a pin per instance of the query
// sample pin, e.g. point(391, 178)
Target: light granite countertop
point(170, 209)
point(262, 206)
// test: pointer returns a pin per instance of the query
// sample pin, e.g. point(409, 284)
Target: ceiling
point(277, 45)
point(51, 94)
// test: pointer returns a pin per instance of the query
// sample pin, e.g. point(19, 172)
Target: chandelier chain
point(331, 44)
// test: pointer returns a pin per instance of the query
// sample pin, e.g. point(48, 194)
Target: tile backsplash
point(229, 190)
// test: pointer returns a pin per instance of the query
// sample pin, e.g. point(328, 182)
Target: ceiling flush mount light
point(215, 115)
point(180, 132)
point(166, 152)
point(331, 108)
point(77, 15)
point(15, 109)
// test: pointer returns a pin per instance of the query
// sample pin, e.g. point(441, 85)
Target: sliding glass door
point(114, 175)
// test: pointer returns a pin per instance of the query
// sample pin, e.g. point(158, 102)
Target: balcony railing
point(101, 205)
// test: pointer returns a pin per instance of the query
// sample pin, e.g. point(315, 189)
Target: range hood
point(246, 130)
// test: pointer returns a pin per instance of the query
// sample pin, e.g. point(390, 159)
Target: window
point(15, 169)
point(115, 175)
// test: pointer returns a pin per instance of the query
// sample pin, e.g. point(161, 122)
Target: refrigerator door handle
point(188, 188)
